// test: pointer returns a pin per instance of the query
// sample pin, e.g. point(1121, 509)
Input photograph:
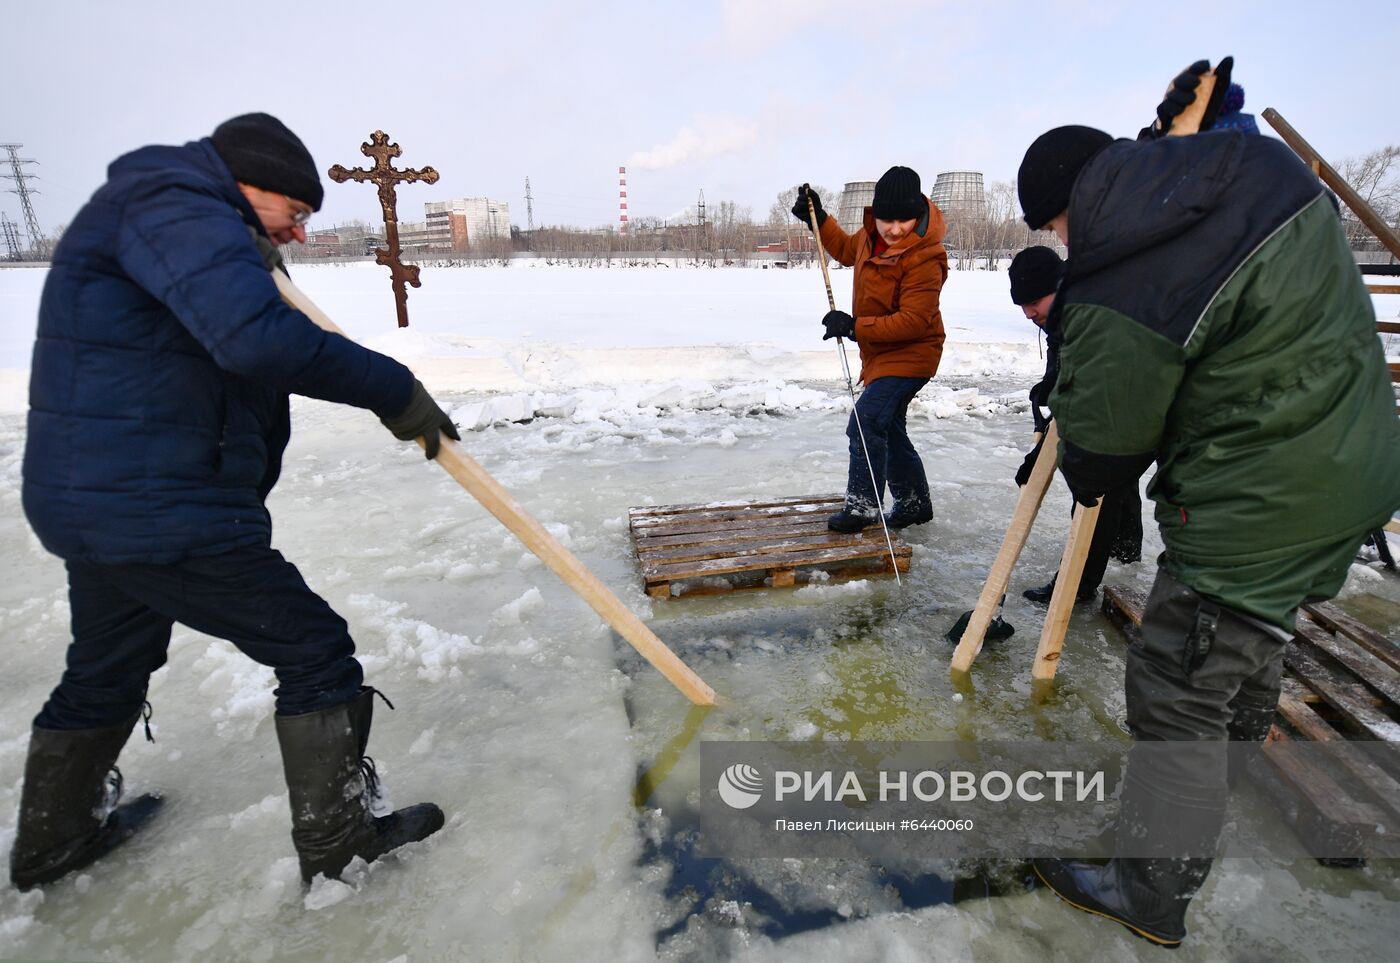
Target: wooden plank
point(1304, 720)
point(729, 549)
point(1342, 821)
point(730, 515)
point(1335, 620)
point(1383, 786)
point(1057, 615)
point(1388, 327)
point(649, 511)
point(1383, 288)
point(648, 543)
point(1363, 716)
point(784, 578)
point(852, 570)
point(725, 566)
point(729, 525)
point(1394, 524)
point(1369, 669)
point(1125, 603)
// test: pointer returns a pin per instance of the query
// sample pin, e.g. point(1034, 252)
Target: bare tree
point(1376, 178)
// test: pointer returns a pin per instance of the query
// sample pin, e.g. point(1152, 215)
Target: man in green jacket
point(1214, 322)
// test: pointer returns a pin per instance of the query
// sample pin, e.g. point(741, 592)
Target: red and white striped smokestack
point(622, 200)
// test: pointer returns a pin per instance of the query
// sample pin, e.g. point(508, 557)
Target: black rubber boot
point(1043, 593)
point(332, 786)
point(1148, 896)
point(68, 812)
point(848, 522)
point(1176, 829)
point(905, 516)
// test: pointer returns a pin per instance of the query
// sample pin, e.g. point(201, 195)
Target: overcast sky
point(740, 99)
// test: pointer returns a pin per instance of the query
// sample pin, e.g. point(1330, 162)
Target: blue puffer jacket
point(158, 392)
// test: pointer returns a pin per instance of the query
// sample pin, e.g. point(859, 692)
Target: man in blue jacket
point(158, 418)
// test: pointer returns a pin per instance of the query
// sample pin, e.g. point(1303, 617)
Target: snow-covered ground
point(567, 767)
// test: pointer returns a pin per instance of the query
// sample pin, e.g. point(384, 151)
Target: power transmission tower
point(701, 230)
point(11, 231)
point(529, 207)
point(22, 188)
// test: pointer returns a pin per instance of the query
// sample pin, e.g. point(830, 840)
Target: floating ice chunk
point(512, 408)
point(326, 892)
point(473, 417)
point(965, 397)
point(559, 406)
point(514, 612)
point(424, 743)
point(743, 397)
point(671, 396)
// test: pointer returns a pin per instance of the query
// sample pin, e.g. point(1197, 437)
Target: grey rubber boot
point(332, 786)
point(68, 812)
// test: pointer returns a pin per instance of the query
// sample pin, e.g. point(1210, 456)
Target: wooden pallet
point(1341, 683)
point(718, 547)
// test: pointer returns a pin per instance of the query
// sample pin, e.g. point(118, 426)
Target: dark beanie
point(1035, 272)
point(1049, 168)
point(261, 151)
point(898, 196)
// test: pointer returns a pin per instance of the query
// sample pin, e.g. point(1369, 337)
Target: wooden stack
point(1341, 683)
point(718, 547)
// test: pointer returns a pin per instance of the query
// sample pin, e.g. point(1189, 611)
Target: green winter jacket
point(1214, 321)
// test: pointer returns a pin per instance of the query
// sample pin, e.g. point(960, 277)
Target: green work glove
point(422, 418)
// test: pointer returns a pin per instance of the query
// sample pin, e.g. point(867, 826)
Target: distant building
point(458, 224)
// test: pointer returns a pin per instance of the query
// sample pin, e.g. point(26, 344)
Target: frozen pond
point(567, 767)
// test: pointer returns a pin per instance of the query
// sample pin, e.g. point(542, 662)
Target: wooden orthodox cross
point(384, 174)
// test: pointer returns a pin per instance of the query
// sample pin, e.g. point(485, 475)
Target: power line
point(36, 237)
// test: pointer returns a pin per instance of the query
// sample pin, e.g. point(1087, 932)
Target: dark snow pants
point(881, 409)
point(1199, 676)
point(253, 597)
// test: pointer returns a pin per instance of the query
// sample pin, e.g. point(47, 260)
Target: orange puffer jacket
point(898, 325)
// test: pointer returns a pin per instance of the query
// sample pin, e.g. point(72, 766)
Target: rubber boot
point(848, 522)
point(1043, 593)
point(1149, 896)
point(68, 812)
point(332, 786)
point(903, 516)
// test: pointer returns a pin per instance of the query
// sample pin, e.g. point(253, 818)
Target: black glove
point(1182, 94)
point(799, 210)
point(839, 324)
point(422, 418)
point(1023, 474)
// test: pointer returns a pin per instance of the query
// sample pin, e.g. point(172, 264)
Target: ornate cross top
point(384, 174)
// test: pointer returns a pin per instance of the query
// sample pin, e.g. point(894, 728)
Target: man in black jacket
point(1035, 274)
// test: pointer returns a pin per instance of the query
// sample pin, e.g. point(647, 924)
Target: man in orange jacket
point(900, 266)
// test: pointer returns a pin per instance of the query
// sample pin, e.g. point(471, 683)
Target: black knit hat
point(1035, 272)
point(898, 196)
point(261, 151)
point(1049, 168)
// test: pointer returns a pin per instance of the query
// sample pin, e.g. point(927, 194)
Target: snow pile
point(752, 398)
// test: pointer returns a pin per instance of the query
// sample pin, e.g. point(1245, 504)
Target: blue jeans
point(881, 409)
point(253, 597)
